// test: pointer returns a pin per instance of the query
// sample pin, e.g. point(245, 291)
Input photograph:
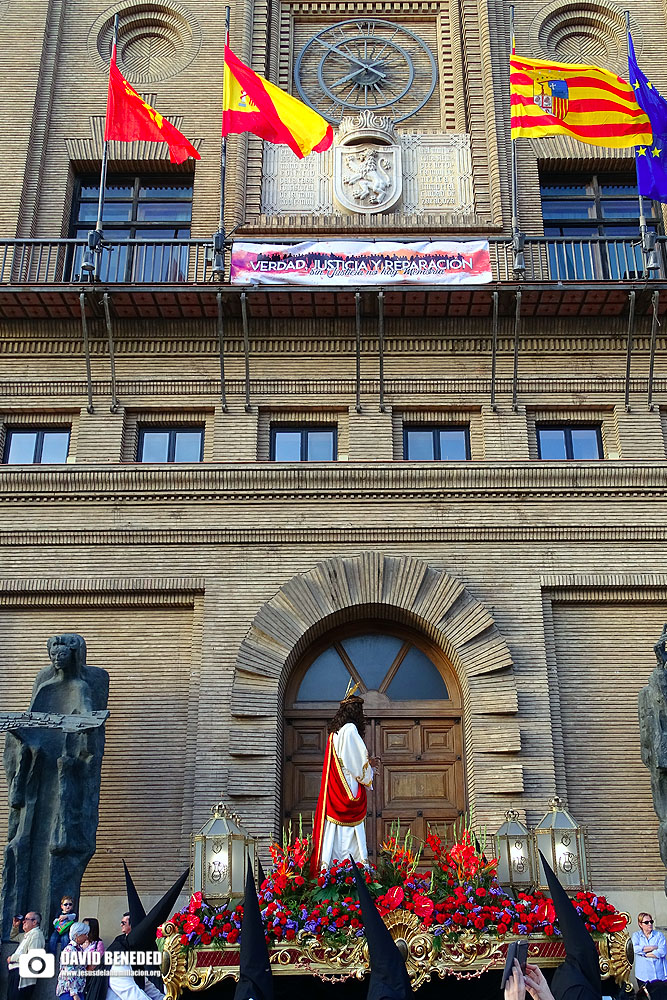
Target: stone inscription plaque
point(291, 186)
point(436, 179)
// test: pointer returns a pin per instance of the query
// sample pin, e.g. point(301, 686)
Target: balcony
point(172, 278)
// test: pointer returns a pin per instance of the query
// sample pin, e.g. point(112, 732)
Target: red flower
point(394, 897)
point(195, 902)
point(233, 936)
point(206, 939)
point(184, 939)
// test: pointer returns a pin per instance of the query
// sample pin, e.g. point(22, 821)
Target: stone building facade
point(531, 590)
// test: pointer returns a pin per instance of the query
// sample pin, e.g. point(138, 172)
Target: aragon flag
point(130, 118)
point(252, 104)
point(587, 102)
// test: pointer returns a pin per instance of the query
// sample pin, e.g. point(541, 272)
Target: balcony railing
point(155, 262)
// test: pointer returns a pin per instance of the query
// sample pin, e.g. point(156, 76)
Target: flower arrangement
point(460, 894)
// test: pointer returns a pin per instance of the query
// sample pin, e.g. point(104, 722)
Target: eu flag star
point(651, 158)
point(635, 84)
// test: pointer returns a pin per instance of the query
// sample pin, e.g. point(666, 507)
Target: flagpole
point(95, 235)
point(642, 217)
point(219, 238)
point(518, 239)
point(105, 148)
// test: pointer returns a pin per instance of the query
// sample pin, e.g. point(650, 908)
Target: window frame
point(120, 262)
point(304, 430)
point(39, 442)
point(567, 429)
point(436, 429)
point(583, 252)
point(137, 181)
point(172, 430)
point(599, 221)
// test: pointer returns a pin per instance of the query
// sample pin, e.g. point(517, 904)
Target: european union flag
point(651, 160)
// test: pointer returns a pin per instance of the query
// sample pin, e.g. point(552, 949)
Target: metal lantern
point(221, 853)
point(515, 853)
point(563, 843)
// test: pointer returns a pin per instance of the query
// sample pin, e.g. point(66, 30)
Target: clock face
point(365, 64)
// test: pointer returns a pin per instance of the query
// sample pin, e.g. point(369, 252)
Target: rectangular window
point(442, 443)
point(296, 443)
point(578, 212)
point(574, 441)
point(170, 444)
point(36, 447)
point(139, 208)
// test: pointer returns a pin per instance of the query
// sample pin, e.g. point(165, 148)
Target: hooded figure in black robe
point(142, 936)
point(255, 978)
point(578, 978)
point(389, 977)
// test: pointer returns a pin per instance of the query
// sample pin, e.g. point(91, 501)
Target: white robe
point(123, 987)
point(342, 842)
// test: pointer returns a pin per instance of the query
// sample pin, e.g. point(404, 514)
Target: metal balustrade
point(169, 262)
point(153, 262)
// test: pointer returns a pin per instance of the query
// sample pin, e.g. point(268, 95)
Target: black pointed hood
point(389, 976)
point(261, 877)
point(142, 937)
point(579, 976)
point(255, 978)
point(134, 904)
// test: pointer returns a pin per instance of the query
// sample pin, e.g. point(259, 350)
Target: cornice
point(367, 537)
point(343, 343)
point(117, 592)
point(424, 482)
point(263, 387)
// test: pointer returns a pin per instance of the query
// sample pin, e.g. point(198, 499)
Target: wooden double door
point(420, 782)
point(412, 704)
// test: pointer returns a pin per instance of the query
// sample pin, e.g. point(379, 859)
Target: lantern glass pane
point(217, 866)
point(238, 866)
point(197, 880)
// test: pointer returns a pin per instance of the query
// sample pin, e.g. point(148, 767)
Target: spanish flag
point(252, 104)
point(130, 118)
point(587, 102)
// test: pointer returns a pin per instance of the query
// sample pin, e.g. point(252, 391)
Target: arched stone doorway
point(403, 592)
point(413, 705)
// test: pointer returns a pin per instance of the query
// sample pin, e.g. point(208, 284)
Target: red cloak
point(335, 803)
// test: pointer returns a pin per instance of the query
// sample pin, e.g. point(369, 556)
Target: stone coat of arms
point(368, 176)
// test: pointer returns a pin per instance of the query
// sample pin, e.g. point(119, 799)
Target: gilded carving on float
point(425, 956)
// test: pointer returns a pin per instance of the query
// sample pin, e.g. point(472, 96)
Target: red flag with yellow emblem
point(130, 118)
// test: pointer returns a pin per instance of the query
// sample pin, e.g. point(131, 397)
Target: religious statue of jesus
point(339, 831)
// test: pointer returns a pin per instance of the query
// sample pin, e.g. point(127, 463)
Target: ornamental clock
point(365, 64)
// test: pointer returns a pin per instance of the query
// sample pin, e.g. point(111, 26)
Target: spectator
point(71, 983)
point(94, 945)
point(62, 924)
point(532, 981)
point(20, 987)
point(650, 951)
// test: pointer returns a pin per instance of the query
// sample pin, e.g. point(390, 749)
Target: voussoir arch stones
point(403, 589)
